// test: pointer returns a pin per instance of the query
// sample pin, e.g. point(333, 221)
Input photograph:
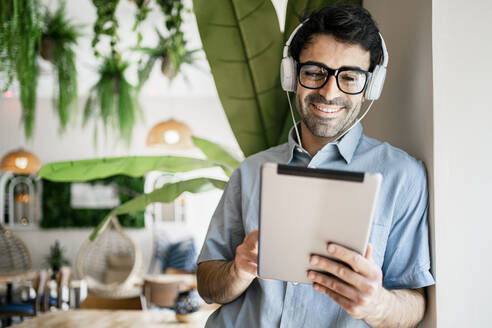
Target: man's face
point(328, 111)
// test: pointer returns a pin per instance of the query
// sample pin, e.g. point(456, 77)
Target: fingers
point(322, 280)
point(251, 240)
point(246, 259)
point(341, 271)
point(243, 251)
point(357, 262)
point(369, 252)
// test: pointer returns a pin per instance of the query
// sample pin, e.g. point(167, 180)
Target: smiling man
point(335, 52)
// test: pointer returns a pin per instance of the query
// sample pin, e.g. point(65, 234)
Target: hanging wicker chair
point(14, 255)
point(112, 263)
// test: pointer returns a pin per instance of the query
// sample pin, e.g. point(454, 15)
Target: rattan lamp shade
point(171, 134)
point(20, 162)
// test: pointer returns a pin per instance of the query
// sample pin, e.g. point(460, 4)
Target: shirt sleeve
point(226, 230)
point(407, 258)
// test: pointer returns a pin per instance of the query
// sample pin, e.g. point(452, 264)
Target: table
point(110, 319)
point(188, 280)
point(13, 276)
point(10, 277)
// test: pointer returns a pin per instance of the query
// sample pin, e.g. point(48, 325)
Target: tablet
point(302, 209)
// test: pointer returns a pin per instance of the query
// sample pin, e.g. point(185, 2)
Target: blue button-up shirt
point(399, 233)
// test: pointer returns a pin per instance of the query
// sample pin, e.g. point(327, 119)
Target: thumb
point(252, 239)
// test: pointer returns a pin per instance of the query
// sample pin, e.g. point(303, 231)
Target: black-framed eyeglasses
point(350, 80)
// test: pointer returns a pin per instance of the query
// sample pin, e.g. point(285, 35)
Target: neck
point(311, 143)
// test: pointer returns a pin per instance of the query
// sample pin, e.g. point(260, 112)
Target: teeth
point(327, 110)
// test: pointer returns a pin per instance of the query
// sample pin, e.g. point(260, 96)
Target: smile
point(328, 109)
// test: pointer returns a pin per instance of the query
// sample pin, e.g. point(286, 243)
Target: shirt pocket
point(378, 239)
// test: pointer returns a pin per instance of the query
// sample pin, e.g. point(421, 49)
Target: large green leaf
point(243, 44)
point(134, 166)
point(216, 153)
point(165, 194)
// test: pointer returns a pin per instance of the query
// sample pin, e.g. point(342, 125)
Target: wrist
point(378, 315)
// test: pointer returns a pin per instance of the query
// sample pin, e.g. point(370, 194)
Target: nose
point(330, 89)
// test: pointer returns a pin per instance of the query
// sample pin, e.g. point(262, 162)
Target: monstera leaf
point(91, 169)
point(243, 44)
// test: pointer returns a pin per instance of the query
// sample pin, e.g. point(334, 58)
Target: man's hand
point(246, 260)
point(359, 291)
point(224, 281)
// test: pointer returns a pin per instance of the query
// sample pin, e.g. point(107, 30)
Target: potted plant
point(58, 38)
point(56, 258)
point(113, 99)
point(172, 53)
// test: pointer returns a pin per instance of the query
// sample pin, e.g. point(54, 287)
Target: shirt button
point(295, 283)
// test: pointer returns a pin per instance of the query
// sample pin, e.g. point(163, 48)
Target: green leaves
point(168, 193)
point(217, 154)
point(20, 37)
point(86, 170)
point(113, 99)
point(243, 44)
point(59, 37)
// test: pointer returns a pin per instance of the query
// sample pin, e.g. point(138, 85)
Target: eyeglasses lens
point(350, 81)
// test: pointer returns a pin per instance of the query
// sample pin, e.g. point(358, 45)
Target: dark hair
point(346, 23)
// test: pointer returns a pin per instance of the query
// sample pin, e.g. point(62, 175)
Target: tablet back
point(302, 209)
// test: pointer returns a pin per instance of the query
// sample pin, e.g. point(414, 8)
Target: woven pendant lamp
point(20, 162)
point(170, 135)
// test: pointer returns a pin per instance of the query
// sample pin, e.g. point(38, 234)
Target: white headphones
point(288, 70)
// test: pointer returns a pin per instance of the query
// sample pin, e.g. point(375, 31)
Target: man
point(334, 50)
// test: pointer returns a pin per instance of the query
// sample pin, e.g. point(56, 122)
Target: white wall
point(462, 46)
point(404, 114)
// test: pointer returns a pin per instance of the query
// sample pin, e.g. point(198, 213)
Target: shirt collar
point(346, 146)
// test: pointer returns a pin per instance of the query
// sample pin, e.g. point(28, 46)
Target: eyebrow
point(323, 65)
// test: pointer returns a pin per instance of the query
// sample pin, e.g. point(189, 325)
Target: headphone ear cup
point(375, 83)
point(288, 76)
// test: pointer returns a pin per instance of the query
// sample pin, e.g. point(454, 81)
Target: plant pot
point(166, 67)
point(47, 48)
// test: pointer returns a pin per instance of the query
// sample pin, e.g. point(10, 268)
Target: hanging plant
point(113, 99)
point(143, 10)
point(171, 54)
point(20, 38)
point(106, 23)
point(171, 50)
point(59, 37)
point(8, 48)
